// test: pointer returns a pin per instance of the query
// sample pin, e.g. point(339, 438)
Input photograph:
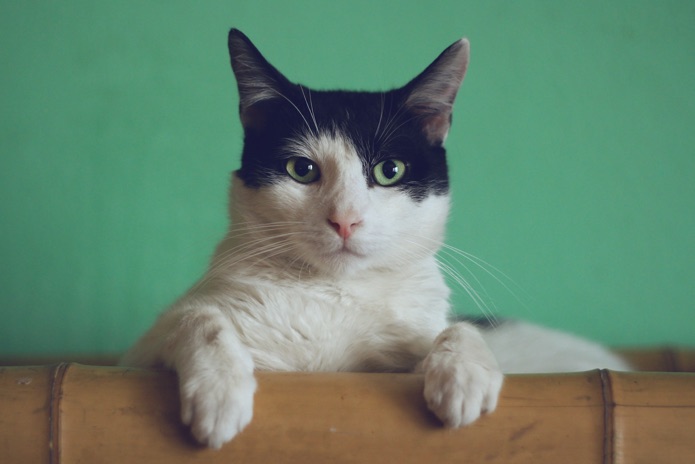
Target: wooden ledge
point(83, 414)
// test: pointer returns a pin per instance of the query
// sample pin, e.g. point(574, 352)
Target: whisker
point(499, 276)
point(393, 130)
point(381, 115)
point(388, 131)
point(250, 247)
point(444, 253)
point(298, 111)
point(448, 258)
point(470, 291)
point(240, 229)
point(259, 249)
point(310, 107)
point(460, 280)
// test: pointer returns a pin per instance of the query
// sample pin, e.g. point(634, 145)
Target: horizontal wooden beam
point(73, 413)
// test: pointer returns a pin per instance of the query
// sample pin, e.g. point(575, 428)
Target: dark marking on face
point(407, 124)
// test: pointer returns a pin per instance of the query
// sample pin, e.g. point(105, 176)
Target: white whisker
point(388, 130)
point(381, 116)
point(310, 106)
point(258, 249)
point(449, 262)
point(298, 111)
point(469, 289)
point(500, 277)
point(458, 278)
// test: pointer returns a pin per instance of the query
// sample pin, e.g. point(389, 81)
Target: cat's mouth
point(348, 252)
point(341, 260)
point(345, 251)
point(337, 255)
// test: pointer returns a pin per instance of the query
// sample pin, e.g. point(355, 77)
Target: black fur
point(271, 122)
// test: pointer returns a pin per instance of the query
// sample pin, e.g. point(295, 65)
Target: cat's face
point(343, 181)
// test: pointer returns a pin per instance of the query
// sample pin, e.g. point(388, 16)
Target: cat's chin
point(341, 262)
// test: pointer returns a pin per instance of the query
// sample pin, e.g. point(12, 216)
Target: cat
point(337, 213)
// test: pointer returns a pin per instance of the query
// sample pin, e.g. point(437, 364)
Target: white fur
point(462, 378)
point(525, 348)
point(285, 292)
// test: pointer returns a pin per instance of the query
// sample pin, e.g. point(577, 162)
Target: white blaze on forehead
point(332, 152)
point(336, 156)
point(343, 186)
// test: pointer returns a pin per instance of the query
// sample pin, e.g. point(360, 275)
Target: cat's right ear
point(431, 95)
point(258, 81)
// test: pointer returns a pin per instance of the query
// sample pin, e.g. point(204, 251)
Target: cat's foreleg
point(462, 378)
point(214, 368)
point(216, 379)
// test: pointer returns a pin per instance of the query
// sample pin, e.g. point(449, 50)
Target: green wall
point(572, 153)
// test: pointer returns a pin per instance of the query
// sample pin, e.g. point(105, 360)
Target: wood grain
point(109, 414)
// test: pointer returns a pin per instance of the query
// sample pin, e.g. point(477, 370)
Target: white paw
point(462, 385)
point(217, 406)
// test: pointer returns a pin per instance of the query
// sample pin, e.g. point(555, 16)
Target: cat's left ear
point(431, 95)
point(258, 81)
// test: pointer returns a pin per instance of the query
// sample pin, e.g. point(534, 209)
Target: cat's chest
point(361, 325)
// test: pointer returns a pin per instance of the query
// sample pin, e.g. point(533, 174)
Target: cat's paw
point(217, 407)
point(460, 386)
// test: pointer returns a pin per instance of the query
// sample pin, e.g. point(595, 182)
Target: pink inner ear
point(252, 118)
point(432, 93)
point(436, 128)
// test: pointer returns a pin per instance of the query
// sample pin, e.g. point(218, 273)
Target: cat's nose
point(344, 226)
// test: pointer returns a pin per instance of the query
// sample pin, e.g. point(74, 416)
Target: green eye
point(302, 170)
point(389, 172)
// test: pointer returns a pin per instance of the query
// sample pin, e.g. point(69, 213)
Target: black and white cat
point(337, 213)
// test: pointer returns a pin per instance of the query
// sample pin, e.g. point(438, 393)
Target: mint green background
point(572, 153)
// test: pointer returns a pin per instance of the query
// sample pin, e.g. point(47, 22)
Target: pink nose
point(344, 226)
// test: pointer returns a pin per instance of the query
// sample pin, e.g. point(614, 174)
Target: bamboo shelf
point(73, 413)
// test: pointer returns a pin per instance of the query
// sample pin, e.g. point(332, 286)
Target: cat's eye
point(302, 170)
point(389, 172)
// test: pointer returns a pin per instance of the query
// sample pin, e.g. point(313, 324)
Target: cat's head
point(342, 181)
